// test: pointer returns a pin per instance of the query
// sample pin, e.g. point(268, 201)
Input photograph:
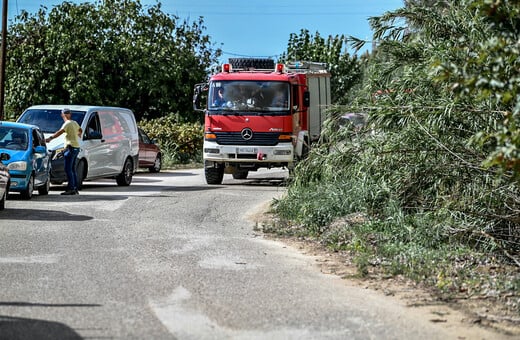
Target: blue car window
point(13, 138)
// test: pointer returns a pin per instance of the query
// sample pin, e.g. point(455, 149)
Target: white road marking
point(46, 259)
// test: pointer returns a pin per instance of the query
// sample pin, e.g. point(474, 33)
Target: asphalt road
point(170, 257)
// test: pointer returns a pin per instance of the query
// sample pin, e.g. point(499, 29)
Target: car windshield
point(48, 120)
point(13, 138)
point(259, 96)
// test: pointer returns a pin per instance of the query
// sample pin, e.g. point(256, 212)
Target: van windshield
point(261, 96)
point(48, 120)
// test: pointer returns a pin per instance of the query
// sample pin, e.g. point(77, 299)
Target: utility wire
point(275, 56)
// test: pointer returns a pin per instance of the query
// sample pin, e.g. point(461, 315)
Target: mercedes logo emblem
point(247, 134)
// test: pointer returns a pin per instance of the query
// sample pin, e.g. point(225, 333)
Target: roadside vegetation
point(114, 53)
point(111, 53)
point(181, 142)
point(428, 188)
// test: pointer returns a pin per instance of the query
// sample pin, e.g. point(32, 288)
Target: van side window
point(127, 121)
point(93, 130)
point(111, 123)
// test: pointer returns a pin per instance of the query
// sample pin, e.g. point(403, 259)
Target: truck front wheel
point(214, 175)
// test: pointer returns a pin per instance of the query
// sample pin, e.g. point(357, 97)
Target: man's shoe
point(69, 192)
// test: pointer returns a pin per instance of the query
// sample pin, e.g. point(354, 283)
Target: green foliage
point(492, 73)
point(441, 95)
point(345, 69)
point(181, 143)
point(110, 52)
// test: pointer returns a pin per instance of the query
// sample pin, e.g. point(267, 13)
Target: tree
point(491, 74)
point(345, 69)
point(111, 52)
point(441, 93)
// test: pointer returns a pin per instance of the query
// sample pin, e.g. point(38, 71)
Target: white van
point(109, 147)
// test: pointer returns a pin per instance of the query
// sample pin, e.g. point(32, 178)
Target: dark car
point(150, 156)
point(5, 179)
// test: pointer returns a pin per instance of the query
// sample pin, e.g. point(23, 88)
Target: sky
point(259, 28)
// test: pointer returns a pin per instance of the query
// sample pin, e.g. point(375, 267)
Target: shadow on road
point(13, 328)
point(38, 304)
point(259, 181)
point(40, 215)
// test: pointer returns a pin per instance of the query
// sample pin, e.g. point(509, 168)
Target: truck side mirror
point(197, 96)
point(306, 99)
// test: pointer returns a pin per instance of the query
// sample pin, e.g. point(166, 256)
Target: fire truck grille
point(259, 138)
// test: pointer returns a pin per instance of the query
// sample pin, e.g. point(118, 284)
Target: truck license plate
point(247, 150)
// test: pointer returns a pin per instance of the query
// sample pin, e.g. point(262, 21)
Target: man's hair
point(65, 111)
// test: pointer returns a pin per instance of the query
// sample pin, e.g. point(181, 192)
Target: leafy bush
point(142, 58)
point(181, 143)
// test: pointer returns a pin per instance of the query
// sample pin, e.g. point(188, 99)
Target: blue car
point(29, 162)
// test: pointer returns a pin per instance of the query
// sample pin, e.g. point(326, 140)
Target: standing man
point(72, 132)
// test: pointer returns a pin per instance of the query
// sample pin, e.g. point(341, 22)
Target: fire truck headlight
point(282, 152)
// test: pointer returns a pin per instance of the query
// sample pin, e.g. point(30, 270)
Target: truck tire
point(258, 63)
point(214, 175)
point(305, 149)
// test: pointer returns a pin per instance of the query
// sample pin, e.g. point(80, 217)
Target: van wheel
point(27, 193)
point(44, 189)
point(125, 177)
point(80, 173)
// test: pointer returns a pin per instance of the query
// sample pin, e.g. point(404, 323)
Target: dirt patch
point(465, 317)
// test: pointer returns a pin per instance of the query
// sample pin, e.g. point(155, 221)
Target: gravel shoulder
point(465, 318)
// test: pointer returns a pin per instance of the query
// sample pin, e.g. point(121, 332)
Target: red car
point(150, 156)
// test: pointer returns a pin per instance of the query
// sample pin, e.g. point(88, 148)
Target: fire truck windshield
point(270, 97)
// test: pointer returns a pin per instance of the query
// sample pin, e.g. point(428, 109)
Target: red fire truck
point(260, 115)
